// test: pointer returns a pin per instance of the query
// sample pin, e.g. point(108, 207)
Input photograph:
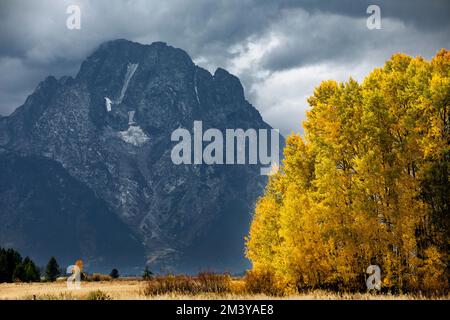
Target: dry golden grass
point(45, 290)
point(134, 290)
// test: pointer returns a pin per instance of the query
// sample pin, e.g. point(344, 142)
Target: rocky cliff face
point(110, 129)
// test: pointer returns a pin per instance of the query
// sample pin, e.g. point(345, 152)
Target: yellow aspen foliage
point(367, 184)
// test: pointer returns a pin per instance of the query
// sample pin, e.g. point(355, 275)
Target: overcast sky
point(281, 50)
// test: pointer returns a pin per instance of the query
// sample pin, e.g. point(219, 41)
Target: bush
point(98, 295)
point(181, 284)
point(213, 282)
point(261, 282)
point(101, 277)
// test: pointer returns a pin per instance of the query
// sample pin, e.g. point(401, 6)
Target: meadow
point(135, 289)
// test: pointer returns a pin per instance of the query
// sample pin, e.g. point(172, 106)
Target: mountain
point(45, 212)
point(109, 129)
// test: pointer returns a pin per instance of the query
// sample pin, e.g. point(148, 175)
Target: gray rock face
point(110, 128)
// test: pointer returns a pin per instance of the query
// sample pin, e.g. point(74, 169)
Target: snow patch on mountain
point(134, 135)
point(108, 104)
point(195, 87)
point(131, 118)
point(131, 69)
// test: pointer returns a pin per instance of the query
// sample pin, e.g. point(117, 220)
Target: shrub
point(181, 284)
point(98, 295)
point(261, 282)
point(101, 277)
point(213, 282)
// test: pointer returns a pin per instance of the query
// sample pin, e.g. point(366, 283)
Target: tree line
point(14, 268)
point(368, 183)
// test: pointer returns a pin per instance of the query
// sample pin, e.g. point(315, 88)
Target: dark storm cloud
point(36, 43)
point(34, 32)
point(314, 38)
point(426, 15)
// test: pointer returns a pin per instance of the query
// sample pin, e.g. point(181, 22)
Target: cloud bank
point(281, 50)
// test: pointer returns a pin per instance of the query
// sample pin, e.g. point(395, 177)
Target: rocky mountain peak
point(110, 129)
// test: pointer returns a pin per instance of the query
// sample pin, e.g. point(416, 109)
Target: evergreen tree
point(147, 273)
point(31, 271)
point(114, 273)
point(52, 271)
point(19, 273)
point(9, 260)
point(3, 272)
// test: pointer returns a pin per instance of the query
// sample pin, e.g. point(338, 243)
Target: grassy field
point(134, 290)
